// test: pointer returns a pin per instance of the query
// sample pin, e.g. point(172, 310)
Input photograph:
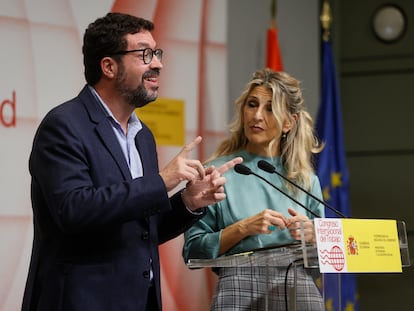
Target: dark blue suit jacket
point(95, 228)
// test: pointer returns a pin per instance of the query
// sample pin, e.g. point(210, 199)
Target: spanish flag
point(273, 56)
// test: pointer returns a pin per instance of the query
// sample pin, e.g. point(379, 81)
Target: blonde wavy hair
point(300, 143)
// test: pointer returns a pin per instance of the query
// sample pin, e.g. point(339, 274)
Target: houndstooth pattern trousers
point(245, 288)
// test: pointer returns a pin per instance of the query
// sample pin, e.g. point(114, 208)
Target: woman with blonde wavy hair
point(270, 124)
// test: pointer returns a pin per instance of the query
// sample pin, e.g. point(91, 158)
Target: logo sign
point(357, 245)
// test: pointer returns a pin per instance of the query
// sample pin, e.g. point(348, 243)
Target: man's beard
point(138, 97)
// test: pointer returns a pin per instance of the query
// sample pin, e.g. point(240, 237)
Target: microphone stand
point(266, 166)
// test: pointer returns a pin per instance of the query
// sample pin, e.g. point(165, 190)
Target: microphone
point(244, 170)
point(267, 167)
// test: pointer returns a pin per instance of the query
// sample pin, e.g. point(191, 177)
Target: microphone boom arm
point(270, 169)
point(244, 170)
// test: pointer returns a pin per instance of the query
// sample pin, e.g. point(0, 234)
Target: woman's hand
point(264, 222)
point(294, 223)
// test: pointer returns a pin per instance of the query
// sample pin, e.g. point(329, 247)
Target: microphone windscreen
point(266, 166)
point(242, 169)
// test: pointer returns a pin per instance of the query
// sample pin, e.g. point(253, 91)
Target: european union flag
point(333, 175)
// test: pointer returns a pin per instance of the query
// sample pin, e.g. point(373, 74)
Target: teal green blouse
point(247, 195)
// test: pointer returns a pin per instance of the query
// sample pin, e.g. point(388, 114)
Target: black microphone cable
point(286, 281)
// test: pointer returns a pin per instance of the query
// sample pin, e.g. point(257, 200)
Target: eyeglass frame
point(153, 52)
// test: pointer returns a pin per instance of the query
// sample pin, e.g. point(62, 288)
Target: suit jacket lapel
point(145, 144)
point(104, 129)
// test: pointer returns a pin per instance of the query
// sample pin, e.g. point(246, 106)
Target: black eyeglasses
point(147, 54)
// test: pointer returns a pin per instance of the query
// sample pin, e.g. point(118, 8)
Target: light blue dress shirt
point(127, 142)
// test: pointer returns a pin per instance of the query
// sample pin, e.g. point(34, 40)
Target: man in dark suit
point(100, 203)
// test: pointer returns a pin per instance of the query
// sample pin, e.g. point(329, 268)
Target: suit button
point(146, 274)
point(145, 235)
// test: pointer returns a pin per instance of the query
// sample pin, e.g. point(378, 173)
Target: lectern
point(292, 255)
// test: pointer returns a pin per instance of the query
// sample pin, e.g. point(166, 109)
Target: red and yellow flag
point(273, 55)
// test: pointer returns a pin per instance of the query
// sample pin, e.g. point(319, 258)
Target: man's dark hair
point(106, 36)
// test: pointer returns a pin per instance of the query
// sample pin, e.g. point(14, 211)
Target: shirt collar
point(133, 120)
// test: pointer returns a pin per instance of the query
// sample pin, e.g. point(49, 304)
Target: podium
point(300, 253)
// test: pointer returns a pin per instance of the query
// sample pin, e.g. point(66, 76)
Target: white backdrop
point(41, 65)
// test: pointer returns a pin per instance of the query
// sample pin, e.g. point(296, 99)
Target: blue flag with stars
point(340, 289)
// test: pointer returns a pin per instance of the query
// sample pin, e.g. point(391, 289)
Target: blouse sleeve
point(202, 240)
point(316, 190)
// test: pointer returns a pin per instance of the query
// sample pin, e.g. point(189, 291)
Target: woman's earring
point(284, 135)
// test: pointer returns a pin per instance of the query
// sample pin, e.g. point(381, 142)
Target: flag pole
point(273, 14)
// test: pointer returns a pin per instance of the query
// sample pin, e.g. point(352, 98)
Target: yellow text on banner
point(165, 118)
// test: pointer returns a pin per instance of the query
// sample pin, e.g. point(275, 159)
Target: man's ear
point(109, 67)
